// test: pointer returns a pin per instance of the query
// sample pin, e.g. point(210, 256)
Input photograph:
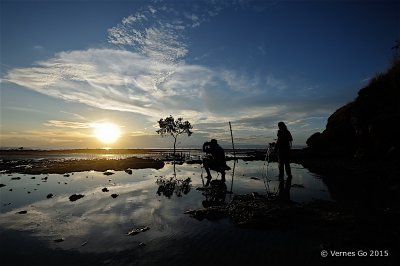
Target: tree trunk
point(174, 146)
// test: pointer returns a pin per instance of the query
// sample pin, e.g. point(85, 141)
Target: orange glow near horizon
point(107, 133)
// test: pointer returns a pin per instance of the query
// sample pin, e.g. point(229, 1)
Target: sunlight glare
point(107, 133)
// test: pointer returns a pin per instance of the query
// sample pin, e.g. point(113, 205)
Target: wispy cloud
point(23, 109)
point(78, 116)
point(38, 48)
point(68, 124)
point(121, 80)
point(145, 72)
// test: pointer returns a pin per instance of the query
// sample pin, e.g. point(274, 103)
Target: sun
point(107, 133)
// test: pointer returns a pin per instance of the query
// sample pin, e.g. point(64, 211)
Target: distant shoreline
point(114, 151)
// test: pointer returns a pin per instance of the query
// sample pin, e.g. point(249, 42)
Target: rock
point(2, 185)
point(108, 173)
point(141, 244)
point(255, 178)
point(136, 231)
point(105, 189)
point(58, 240)
point(23, 212)
point(76, 197)
point(49, 196)
point(16, 178)
point(128, 171)
point(144, 229)
point(359, 129)
point(133, 232)
point(114, 195)
point(66, 175)
point(33, 177)
point(84, 244)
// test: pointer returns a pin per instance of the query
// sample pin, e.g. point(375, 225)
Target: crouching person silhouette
point(215, 159)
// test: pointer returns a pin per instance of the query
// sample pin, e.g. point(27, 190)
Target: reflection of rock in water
point(250, 209)
point(169, 186)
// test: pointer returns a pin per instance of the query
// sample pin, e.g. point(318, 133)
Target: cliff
point(366, 127)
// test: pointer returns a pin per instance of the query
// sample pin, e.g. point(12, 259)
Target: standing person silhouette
point(283, 145)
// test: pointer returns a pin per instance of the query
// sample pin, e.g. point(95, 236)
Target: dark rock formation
point(366, 127)
point(75, 197)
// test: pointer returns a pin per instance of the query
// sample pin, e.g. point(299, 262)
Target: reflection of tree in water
point(169, 186)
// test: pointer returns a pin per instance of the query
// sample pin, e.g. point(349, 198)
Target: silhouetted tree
point(174, 127)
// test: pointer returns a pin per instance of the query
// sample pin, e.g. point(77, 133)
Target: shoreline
point(47, 166)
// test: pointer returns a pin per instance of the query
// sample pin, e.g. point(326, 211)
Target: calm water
point(97, 224)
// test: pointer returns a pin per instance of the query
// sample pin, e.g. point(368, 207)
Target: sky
point(69, 66)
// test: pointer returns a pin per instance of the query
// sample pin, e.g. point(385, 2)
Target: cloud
point(68, 124)
point(38, 48)
point(74, 115)
point(121, 80)
point(158, 32)
point(144, 72)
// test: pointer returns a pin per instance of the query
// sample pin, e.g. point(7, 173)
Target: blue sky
point(67, 65)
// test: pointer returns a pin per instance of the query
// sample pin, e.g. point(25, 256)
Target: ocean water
point(95, 227)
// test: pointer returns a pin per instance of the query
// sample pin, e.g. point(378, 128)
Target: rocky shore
point(68, 166)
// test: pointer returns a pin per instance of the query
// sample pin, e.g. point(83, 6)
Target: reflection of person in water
point(284, 188)
point(283, 145)
point(215, 159)
point(215, 195)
